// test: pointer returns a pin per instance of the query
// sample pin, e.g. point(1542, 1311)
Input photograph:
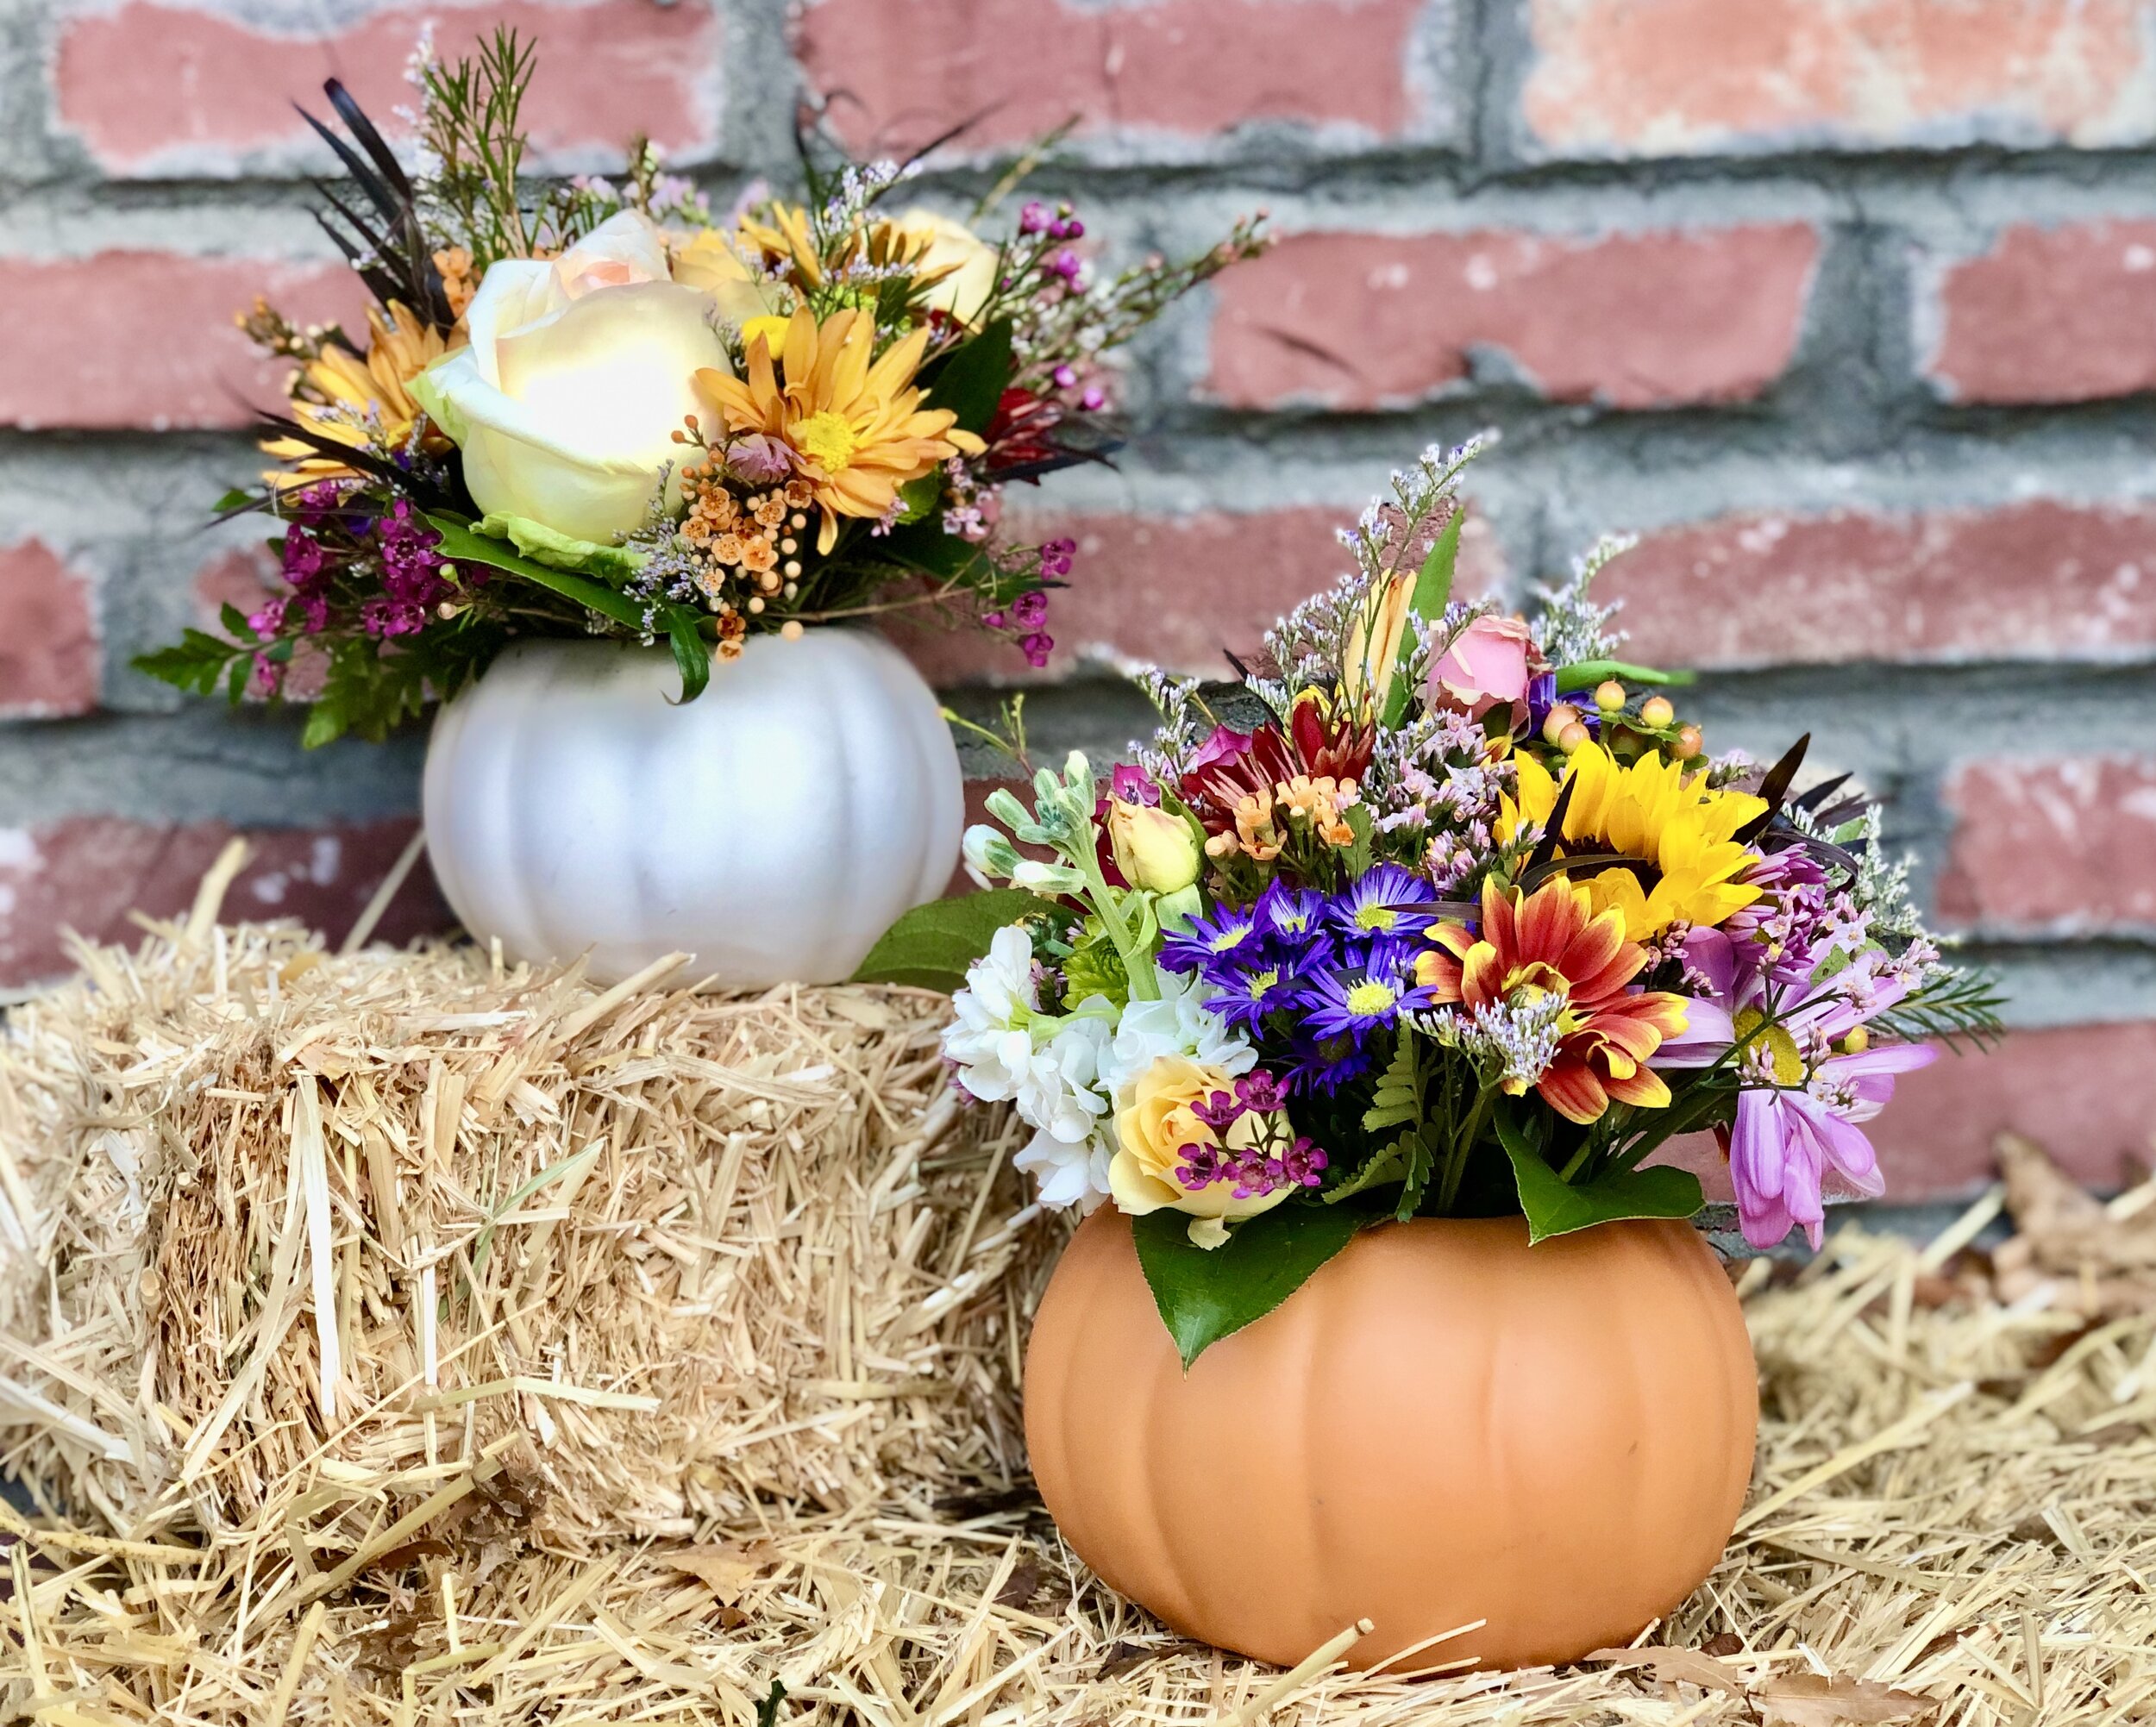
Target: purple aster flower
point(1325, 1064)
point(1214, 947)
point(1354, 1002)
point(1291, 919)
point(1245, 997)
point(1387, 904)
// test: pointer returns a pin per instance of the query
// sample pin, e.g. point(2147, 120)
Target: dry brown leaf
point(1805, 1700)
point(1692, 1666)
point(2104, 1264)
point(725, 1569)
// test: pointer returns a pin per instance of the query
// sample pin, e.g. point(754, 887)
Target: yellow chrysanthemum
point(857, 422)
point(1654, 811)
point(350, 397)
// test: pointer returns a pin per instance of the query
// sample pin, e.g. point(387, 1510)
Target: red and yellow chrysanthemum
point(1554, 943)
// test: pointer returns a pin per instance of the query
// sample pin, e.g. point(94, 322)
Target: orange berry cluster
point(754, 539)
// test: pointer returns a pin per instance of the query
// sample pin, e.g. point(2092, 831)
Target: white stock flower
point(1179, 1023)
point(990, 1037)
point(1070, 1153)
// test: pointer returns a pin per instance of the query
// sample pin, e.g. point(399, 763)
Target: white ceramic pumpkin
point(773, 827)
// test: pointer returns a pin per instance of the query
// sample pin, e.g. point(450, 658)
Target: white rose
point(579, 371)
point(973, 278)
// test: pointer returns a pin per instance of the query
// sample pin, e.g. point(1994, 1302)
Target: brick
point(2039, 579)
point(156, 89)
point(2062, 846)
point(2081, 1091)
point(898, 73)
point(2065, 314)
point(49, 652)
point(1679, 77)
point(86, 873)
point(1177, 592)
point(166, 354)
point(1362, 321)
point(243, 577)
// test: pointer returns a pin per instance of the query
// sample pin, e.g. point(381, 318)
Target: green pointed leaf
point(1433, 591)
point(1587, 673)
point(931, 946)
point(1556, 1207)
point(461, 546)
point(1205, 1295)
point(972, 381)
point(691, 654)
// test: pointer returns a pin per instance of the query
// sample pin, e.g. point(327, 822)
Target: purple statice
point(1386, 905)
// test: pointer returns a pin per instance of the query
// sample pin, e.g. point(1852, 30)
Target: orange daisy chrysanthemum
point(855, 422)
point(359, 399)
point(1554, 942)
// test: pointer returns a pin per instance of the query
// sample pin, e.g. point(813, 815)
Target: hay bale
point(1954, 1521)
point(297, 1242)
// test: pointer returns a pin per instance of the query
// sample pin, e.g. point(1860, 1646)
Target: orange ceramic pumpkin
point(1444, 1424)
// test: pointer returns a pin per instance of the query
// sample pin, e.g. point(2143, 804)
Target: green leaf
point(1556, 1207)
point(542, 545)
point(1434, 582)
point(691, 655)
point(1388, 1165)
point(194, 663)
point(1433, 588)
point(1587, 673)
point(236, 623)
point(461, 545)
point(1398, 1099)
point(234, 499)
point(1206, 1294)
point(972, 381)
point(918, 496)
point(931, 945)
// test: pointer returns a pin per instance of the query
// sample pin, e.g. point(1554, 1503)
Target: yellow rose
point(972, 276)
point(1154, 1121)
point(1153, 849)
point(579, 369)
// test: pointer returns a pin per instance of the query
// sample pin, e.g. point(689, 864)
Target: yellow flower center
point(1782, 1051)
point(827, 439)
point(1369, 998)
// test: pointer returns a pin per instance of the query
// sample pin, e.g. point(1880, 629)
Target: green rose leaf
point(972, 381)
point(1206, 1294)
point(1555, 1206)
point(931, 946)
point(461, 545)
point(542, 545)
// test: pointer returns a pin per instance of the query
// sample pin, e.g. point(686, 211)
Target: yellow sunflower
point(1653, 811)
point(357, 400)
point(855, 422)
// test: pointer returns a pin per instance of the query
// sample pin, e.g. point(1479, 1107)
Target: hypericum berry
point(1690, 741)
point(1655, 711)
point(1610, 697)
point(1561, 716)
point(1573, 736)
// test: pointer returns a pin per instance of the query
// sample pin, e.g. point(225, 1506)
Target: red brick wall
point(1847, 308)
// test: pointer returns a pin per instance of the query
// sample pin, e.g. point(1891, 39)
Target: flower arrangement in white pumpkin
point(592, 411)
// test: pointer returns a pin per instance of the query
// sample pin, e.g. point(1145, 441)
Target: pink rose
point(1485, 664)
